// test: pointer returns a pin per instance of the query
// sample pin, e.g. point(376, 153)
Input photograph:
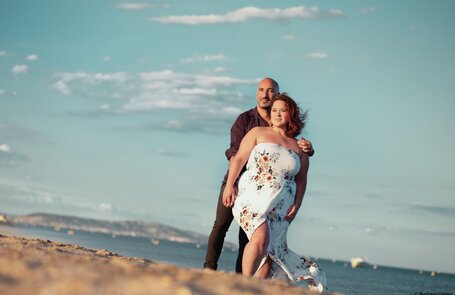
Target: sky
point(122, 110)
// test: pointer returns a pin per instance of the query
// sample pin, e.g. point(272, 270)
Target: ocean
point(340, 276)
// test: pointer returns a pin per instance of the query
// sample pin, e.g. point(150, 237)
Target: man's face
point(266, 91)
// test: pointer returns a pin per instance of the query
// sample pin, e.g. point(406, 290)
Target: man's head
point(267, 89)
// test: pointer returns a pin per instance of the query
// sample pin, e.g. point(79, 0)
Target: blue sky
point(122, 110)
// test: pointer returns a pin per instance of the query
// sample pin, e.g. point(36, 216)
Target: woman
point(270, 194)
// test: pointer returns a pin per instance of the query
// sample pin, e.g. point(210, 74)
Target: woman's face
point(280, 114)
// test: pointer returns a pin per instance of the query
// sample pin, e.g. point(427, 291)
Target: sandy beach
point(34, 266)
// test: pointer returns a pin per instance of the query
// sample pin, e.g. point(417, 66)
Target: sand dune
point(33, 266)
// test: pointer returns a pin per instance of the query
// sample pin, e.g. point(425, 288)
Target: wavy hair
point(298, 119)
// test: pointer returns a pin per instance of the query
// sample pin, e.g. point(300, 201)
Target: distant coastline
point(151, 230)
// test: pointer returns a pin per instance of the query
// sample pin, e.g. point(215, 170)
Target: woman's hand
point(229, 196)
point(292, 213)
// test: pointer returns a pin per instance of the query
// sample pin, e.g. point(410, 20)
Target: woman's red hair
point(298, 119)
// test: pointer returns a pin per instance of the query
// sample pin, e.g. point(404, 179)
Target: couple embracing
point(264, 188)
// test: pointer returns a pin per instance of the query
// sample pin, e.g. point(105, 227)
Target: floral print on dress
point(266, 192)
point(265, 175)
point(247, 219)
point(273, 216)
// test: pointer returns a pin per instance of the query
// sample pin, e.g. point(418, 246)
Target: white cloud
point(231, 110)
point(213, 121)
point(368, 230)
point(5, 148)
point(93, 79)
point(90, 80)
point(32, 57)
point(2, 91)
point(380, 229)
point(4, 53)
point(114, 77)
point(139, 5)
point(196, 91)
point(10, 157)
point(107, 58)
point(19, 69)
point(289, 37)
point(25, 199)
point(104, 207)
point(318, 55)
point(219, 70)
point(200, 98)
point(62, 87)
point(132, 6)
point(105, 106)
point(247, 13)
point(204, 58)
point(369, 9)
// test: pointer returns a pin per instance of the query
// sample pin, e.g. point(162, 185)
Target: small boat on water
point(358, 262)
point(4, 220)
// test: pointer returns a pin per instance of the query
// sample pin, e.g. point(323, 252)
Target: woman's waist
point(285, 175)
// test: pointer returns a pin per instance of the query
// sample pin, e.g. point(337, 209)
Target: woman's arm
point(236, 164)
point(301, 181)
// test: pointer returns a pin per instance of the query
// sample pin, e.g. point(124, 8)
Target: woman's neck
point(279, 130)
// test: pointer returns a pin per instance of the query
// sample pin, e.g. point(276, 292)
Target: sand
point(34, 266)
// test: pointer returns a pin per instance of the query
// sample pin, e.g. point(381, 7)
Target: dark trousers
point(223, 220)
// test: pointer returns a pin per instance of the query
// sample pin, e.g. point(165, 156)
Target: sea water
point(340, 276)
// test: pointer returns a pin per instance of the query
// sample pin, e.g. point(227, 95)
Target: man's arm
point(238, 131)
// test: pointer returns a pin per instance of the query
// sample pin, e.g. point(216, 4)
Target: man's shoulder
point(248, 114)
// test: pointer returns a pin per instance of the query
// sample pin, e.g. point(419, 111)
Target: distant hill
point(149, 230)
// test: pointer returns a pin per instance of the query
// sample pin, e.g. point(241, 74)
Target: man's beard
point(265, 105)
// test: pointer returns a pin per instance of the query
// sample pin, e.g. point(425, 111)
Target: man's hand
point(306, 146)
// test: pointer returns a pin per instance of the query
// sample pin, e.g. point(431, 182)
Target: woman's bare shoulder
point(259, 129)
point(254, 134)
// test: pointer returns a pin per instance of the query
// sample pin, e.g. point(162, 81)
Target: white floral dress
point(266, 191)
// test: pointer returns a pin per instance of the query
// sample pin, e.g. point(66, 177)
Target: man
point(258, 116)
